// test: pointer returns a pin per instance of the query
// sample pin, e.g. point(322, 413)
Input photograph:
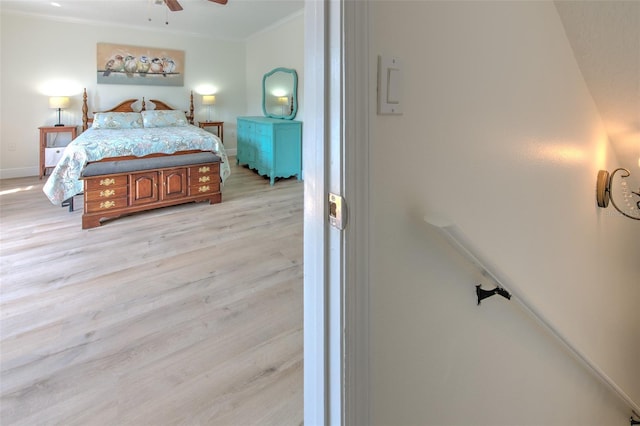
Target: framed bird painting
point(149, 66)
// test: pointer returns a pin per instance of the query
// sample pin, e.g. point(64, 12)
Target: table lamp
point(284, 102)
point(59, 103)
point(208, 100)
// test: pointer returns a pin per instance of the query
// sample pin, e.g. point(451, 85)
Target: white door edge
point(335, 158)
point(316, 394)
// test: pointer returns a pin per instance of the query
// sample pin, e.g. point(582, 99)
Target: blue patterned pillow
point(164, 118)
point(117, 120)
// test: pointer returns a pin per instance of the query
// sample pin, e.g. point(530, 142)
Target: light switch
point(393, 86)
point(389, 85)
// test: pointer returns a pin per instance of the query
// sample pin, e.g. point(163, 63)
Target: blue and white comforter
point(96, 144)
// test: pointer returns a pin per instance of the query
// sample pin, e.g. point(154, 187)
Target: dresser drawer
point(105, 182)
point(204, 174)
point(203, 189)
point(266, 148)
point(245, 126)
point(104, 205)
point(204, 170)
point(106, 193)
point(204, 179)
point(263, 130)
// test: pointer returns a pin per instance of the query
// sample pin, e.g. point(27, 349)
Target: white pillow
point(164, 118)
point(117, 120)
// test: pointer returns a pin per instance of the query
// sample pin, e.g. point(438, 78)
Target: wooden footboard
point(117, 188)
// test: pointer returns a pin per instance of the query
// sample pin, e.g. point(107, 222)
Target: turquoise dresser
point(271, 146)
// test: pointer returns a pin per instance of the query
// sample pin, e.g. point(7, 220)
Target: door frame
point(336, 263)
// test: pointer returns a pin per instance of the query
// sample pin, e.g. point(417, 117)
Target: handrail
point(457, 239)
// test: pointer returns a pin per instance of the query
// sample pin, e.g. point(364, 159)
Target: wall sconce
point(209, 100)
point(59, 103)
point(604, 193)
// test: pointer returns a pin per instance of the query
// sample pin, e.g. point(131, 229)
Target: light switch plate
point(389, 85)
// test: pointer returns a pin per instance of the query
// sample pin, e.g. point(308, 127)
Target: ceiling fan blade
point(173, 5)
point(219, 1)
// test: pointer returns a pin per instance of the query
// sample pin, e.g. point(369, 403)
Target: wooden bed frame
point(164, 180)
point(127, 106)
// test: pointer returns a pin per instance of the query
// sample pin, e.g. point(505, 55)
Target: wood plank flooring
point(187, 315)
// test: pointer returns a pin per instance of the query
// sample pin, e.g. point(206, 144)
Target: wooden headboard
point(127, 106)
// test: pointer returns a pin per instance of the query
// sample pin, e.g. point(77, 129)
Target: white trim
point(19, 172)
point(334, 181)
point(315, 376)
point(336, 298)
point(357, 73)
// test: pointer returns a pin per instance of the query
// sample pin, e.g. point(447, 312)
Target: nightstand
point(50, 154)
point(218, 124)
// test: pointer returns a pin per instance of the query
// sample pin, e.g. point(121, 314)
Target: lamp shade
point(56, 102)
point(208, 100)
point(283, 100)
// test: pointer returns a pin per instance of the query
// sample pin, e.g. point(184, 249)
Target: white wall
point(281, 45)
point(36, 50)
point(499, 135)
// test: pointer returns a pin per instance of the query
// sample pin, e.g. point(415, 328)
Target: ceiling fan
point(174, 6)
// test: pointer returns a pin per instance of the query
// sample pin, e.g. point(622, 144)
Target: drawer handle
point(204, 169)
point(204, 188)
point(204, 179)
point(107, 182)
point(107, 204)
point(108, 193)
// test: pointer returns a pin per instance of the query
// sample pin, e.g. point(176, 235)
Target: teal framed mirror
point(280, 93)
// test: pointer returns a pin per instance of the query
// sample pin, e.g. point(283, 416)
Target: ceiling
point(604, 35)
point(236, 20)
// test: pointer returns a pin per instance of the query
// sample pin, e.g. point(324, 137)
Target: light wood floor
point(187, 315)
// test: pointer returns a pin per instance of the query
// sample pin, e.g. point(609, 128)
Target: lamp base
point(59, 123)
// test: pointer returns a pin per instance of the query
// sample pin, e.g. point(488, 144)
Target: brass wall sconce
point(604, 193)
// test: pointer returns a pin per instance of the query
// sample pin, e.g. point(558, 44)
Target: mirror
point(280, 93)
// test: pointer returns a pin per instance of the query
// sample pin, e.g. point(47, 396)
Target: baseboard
point(19, 172)
point(231, 152)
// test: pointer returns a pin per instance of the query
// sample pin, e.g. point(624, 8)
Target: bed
point(159, 140)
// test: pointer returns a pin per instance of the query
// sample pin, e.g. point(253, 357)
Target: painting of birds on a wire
point(120, 64)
